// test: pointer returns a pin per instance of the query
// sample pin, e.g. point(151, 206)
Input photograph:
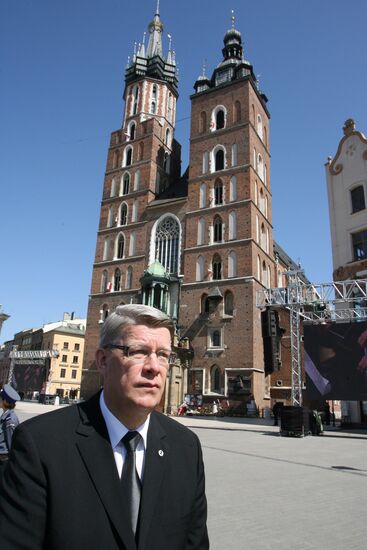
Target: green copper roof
point(157, 269)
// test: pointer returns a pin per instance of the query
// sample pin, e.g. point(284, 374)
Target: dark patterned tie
point(130, 482)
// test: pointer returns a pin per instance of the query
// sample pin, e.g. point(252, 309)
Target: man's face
point(134, 388)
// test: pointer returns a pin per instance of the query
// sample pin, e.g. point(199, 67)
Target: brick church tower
point(228, 252)
point(197, 246)
point(137, 250)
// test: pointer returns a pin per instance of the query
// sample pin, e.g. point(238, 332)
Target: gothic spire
point(155, 38)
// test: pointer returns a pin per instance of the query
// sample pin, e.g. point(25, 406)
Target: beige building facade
point(65, 371)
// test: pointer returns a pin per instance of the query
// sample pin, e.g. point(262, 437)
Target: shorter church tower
point(229, 247)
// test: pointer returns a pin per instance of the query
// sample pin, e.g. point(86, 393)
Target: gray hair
point(132, 314)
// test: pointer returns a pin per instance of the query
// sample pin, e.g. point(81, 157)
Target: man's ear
point(101, 359)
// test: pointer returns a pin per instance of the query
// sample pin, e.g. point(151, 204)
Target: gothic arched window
point(104, 312)
point(217, 267)
point(205, 162)
point(201, 231)
point(264, 275)
point(132, 245)
point(228, 303)
point(106, 247)
point(129, 277)
point(260, 127)
point(202, 198)
point(216, 339)
point(232, 264)
point(104, 280)
point(218, 229)
point(109, 217)
point(168, 138)
point(123, 214)
point(117, 280)
point(218, 192)
point(134, 215)
point(232, 225)
point(131, 130)
point(260, 166)
point(128, 155)
point(120, 246)
point(167, 238)
point(219, 119)
point(135, 100)
point(233, 188)
point(262, 202)
point(219, 160)
point(113, 188)
point(137, 180)
point(200, 268)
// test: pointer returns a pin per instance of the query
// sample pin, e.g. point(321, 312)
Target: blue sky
point(61, 79)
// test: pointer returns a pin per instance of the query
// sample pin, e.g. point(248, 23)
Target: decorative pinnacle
point(232, 18)
point(169, 41)
point(144, 35)
point(157, 10)
point(204, 67)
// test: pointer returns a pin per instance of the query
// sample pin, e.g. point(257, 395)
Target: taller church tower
point(137, 259)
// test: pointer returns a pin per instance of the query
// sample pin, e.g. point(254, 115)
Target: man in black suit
point(72, 483)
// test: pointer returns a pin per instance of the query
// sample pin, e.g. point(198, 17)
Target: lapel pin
point(160, 452)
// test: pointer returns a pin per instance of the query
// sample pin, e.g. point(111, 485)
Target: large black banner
point(336, 361)
point(29, 378)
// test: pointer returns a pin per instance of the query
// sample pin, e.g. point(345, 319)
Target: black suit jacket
point(61, 489)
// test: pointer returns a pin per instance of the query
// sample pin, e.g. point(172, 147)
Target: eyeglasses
point(140, 355)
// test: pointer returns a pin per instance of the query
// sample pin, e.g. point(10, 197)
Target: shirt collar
point(116, 429)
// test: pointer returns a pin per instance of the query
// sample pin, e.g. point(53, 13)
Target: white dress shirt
point(116, 431)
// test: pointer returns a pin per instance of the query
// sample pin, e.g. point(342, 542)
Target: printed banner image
point(336, 361)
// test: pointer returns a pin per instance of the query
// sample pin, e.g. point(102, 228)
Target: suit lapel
point(156, 457)
point(96, 451)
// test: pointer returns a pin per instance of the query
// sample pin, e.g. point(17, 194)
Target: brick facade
point(222, 207)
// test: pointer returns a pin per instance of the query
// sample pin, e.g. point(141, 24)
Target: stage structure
point(33, 359)
point(315, 304)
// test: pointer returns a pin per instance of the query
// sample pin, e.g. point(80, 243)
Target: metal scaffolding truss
point(314, 303)
point(334, 315)
point(34, 354)
point(301, 294)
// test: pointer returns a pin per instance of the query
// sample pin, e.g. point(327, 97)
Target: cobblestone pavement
point(267, 492)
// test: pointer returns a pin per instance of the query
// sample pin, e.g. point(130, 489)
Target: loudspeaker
point(271, 339)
